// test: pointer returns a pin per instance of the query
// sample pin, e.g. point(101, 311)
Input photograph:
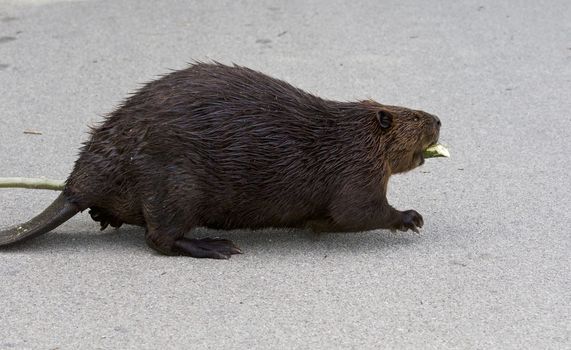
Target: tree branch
point(33, 183)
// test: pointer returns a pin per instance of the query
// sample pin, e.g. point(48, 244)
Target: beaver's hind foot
point(213, 248)
point(105, 219)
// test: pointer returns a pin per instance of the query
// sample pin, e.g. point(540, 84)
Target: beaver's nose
point(436, 121)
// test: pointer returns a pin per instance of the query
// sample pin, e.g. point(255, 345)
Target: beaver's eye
point(416, 118)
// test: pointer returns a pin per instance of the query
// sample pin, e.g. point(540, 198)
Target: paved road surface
point(492, 269)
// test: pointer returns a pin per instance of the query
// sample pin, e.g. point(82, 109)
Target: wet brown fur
point(227, 147)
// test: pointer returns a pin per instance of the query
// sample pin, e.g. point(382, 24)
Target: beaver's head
point(405, 134)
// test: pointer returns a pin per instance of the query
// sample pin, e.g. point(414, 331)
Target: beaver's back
point(243, 146)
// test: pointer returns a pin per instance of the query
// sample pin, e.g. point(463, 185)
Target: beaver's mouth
point(427, 140)
point(431, 137)
point(419, 155)
point(433, 142)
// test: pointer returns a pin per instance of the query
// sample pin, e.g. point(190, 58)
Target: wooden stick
point(437, 150)
point(33, 183)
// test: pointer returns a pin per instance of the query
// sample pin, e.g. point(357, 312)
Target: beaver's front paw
point(410, 220)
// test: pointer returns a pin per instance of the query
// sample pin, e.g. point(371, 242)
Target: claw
point(411, 220)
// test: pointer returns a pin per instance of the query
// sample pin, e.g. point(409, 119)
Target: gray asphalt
point(491, 269)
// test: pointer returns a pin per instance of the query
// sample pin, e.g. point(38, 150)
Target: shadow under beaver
point(290, 242)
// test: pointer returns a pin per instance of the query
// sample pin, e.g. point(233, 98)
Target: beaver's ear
point(385, 119)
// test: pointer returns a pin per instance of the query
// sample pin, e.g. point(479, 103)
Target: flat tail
point(56, 214)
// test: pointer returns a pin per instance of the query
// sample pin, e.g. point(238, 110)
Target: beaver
point(227, 147)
